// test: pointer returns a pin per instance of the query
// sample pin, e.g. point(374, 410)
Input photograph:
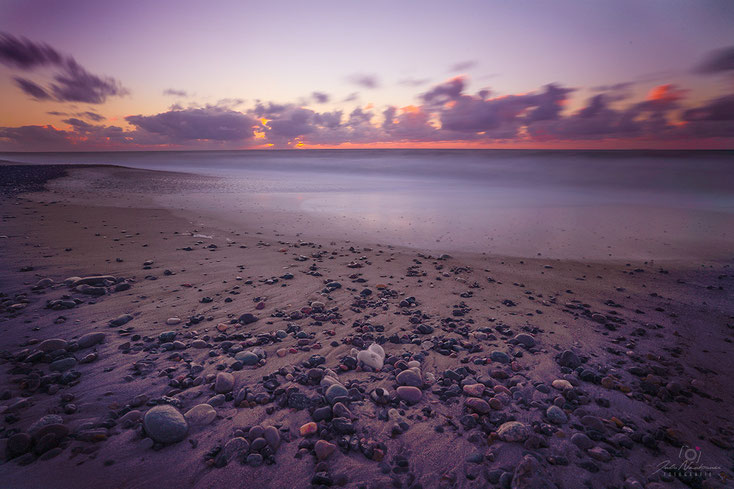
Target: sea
point(586, 205)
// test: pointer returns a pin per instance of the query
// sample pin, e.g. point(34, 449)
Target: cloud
point(444, 92)
point(717, 61)
point(71, 83)
point(351, 97)
point(320, 97)
point(24, 54)
point(720, 109)
point(364, 80)
point(413, 82)
point(209, 123)
point(175, 93)
point(91, 115)
point(462, 66)
point(31, 88)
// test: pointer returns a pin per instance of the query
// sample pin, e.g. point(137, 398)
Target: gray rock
point(556, 415)
point(165, 424)
point(569, 359)
point(247, 358)
point(500, 357)
point(409, 394)
point(90, 339)
point(62, 364)
point(410, 377)
point(513, 431)
point(525, 340)
point(335, 392)
point(224, 383)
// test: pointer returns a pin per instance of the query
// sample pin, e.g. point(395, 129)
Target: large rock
point(335, 392)
point(374, 356)
point(224, 383)
point(52, 344)
point(200, 415)
point(411, 376)
point(568, 359)
point(165, 424)
point(513, 431)
point(409, 394)
point(90, 339)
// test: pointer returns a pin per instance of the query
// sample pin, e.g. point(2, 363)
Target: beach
point(518, 356)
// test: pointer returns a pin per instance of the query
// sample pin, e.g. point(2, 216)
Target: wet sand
point(634, 355)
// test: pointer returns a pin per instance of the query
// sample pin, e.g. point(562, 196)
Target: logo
point(689, 466)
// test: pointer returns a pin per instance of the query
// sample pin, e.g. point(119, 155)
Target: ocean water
point(558, 204)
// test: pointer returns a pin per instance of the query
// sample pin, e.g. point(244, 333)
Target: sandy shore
point(522, 373)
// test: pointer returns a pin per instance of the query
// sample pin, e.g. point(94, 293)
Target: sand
point(653, 338)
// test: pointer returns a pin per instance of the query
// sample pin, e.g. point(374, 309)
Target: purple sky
point(85, 75)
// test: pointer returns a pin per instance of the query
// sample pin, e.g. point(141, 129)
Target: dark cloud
point(717, 61)
point(351, 97)
point(720, 109)
point(210, 123)
point(320, 97)
point(25, 54)
point(175, 93)
point(56, 112)
point(462, 66)
point(364, 80)
point(71, 83)
point(446, 91)
point(31, 88)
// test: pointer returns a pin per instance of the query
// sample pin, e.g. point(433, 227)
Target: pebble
point(173, 321)
point(247, 358)
point(556, 415)
point(561, 385)
point(62, 364)
point(500, 357)
point(52, 345)
point(374, 356)
point(308, 429)
point(200, 415)
point(90, 339)
point(323, 449)
point(568, 359)
point(478, 405)
point(409, 394)
point(335, 392)
point(513, 431)
point(165, 424)
point(474, 390)
point(525, 340)
point(582, 441)
point(410, 377)
point(272, 436)
point(224, 383)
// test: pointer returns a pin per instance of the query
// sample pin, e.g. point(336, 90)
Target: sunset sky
point(93, 75)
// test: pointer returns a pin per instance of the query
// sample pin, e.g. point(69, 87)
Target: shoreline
point(653, 348)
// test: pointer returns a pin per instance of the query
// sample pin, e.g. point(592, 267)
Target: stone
point(561, 385)
point(90, 339)
point(234, 447)
point(556, 415)
point(598, 453)
point(224, 383)
point(500, 357)
point(525, 340)
point(474, 390)
point(272, 436)
point(18, 444)
point(62, 364)
point(323, 449)
point(121, 320)
point(582, 441)
point(335, 392)
point(308, 429)
point(409, 394)
point(374, 356)
point(568, 359)
point(495, 403)
point(477, 405)
point(52, 344)
point(173, 321)
point(513, 431)
point(247, 358)
point(165, 424)
point(167, 336)
point(200, 415)
point(247, 318)
point(46, 420)
point(410, 377)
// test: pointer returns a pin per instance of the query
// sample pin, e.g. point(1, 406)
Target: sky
point(609, 74)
